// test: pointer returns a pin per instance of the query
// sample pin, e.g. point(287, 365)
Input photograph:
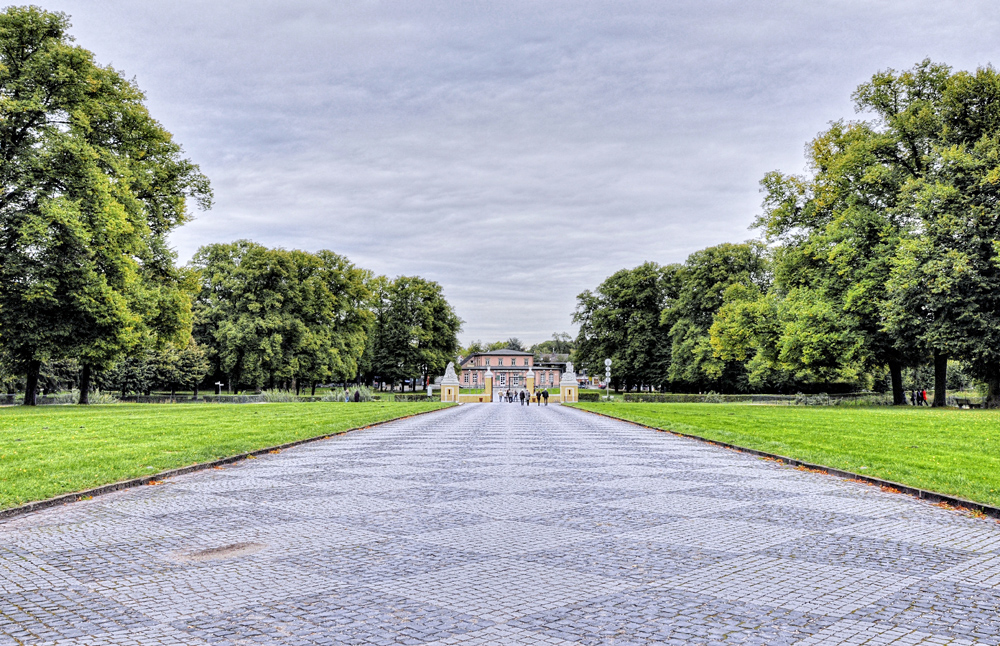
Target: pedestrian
point(545, 394)
point(357, 396)
point(522, 398)
point(347, 397)
point(923, 397)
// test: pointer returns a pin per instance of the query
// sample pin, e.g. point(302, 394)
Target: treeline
point(885, 256)
point(561, 343)
point(90, 292)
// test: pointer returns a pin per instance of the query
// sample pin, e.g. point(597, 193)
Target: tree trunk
point(896, 376)
point(992, 393)
point(31, 388)
point(940, 379)
point(195, 389)
point(85, 374)
point(295, 381)
point(313, 393)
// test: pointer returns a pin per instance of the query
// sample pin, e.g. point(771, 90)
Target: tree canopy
point(271, 316)
point(886, 255)
point(90, 185)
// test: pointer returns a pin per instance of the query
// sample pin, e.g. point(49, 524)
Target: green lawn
point(50, 450)
point(956, 452)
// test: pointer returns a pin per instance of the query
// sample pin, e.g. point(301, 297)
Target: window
point(475, 377)
point(465, 377)
point(525, 362)
point(487, 362)
point(502, 379)
point(500, 361)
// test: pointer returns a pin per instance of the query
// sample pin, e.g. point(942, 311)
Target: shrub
point(365, 393)
point(590, 397)
point(278, 396)
point(416, 397)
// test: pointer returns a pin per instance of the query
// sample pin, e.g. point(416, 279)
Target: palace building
point(510, 370)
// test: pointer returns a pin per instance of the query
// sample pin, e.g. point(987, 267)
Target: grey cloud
point(516, 151)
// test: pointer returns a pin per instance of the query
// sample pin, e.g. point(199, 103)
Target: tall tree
point(273, 317)
point(945, 287)
point(621, 321)
point(701, 284)
point(415, 333)
point(90, 185)
point(842, 226)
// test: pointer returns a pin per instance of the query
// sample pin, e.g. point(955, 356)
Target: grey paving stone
point(815, 588)
point(501, 525)
point(871, 553)
point(807, 519)
point(862, 633)
point(357, 616)
point(645, 617)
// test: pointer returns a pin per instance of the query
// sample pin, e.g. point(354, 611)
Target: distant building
point(510, 370)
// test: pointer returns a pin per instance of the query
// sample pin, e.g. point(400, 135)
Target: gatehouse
point(486, 373)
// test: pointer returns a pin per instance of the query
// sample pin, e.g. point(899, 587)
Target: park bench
point(962, 402)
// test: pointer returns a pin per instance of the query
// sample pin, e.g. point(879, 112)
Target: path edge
point(77, 496)
point(924, 494)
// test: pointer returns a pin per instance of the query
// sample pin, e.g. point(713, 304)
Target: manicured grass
point(956, 452)
point(50, 450)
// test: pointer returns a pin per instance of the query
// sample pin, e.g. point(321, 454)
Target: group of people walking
point(523, 396)
point(918, 397)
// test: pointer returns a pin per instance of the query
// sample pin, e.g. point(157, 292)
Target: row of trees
point(560, 345)
point(886, 255)
point(90, 292)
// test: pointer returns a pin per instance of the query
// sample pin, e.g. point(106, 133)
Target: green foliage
point(365, 394)
point(269, 316)
point(887, 252)
point(701, 284)
point(561, 343)
point(278, 396)
point(414, 333)
point(91, 186)
point(514, 343)
point(621, 321)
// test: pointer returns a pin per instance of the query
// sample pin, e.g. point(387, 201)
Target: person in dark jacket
point(357, 395)
point(545, 394)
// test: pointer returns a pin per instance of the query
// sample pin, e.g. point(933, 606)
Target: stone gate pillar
point(449, 384)
point(569, 389)
point(488, 384)
point(529, 382)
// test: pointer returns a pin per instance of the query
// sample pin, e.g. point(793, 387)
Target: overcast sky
point(515, 152)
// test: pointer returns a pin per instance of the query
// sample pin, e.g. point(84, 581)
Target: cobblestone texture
point(500, 524)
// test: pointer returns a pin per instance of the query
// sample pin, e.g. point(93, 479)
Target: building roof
point(492, 352)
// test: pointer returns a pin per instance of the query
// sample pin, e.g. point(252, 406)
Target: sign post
point(607, 379)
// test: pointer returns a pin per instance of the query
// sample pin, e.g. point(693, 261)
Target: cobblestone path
point(500, 524)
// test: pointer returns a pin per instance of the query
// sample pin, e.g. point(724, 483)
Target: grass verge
point(954, 452)
point(47, 451)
